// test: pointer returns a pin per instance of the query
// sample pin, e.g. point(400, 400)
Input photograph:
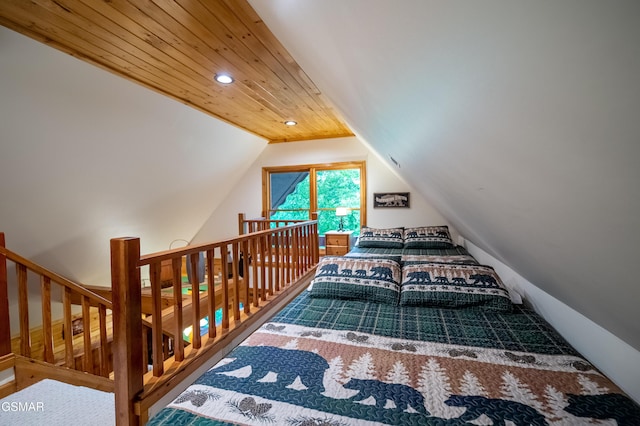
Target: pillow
point(353, 278)
point(453, 286)
point(428, 237)
point(376, 237)
point(408, 259)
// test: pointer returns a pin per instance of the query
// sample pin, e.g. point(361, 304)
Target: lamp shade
point(342, 211)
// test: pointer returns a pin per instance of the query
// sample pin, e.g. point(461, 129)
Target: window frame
point(312, 169)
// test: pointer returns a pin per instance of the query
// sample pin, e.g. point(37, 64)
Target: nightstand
point(337, 243)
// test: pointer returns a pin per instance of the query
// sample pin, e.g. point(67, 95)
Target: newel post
point(127, 328)
point(241, 225)
point(315, 240)
point(5, 327)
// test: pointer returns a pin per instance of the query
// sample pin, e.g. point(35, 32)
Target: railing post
point(241, 224)
point(127, 328)
point(5, 328)
point(316, 243)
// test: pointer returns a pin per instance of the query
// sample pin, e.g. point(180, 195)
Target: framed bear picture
point(390, 199)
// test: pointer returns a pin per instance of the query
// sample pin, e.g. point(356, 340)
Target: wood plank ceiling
point(176, 48)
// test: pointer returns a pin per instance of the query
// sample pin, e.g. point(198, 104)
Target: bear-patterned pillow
point(428, 237)
point(381, 237)
point(453, 286)
point(357, 278)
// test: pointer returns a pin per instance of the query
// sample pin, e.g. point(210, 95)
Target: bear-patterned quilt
point(352, 362)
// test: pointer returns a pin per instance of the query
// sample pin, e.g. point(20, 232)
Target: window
point(294, 192)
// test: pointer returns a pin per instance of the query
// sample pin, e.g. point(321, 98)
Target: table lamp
point(341, 212)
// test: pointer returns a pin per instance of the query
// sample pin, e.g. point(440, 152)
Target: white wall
point(608, 353)
point(247, 194)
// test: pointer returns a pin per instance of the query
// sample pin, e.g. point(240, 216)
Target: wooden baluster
point(176, 265)
point(283, 251)
point(87, 360)
point(104, 348)
point(5, 326)
point(224, 265)
point(303, 250)
point(47, 337)
point(67, 328)
point(263, 269)
point(300, 256)
point(211, 289)
point(296, 252)
point(272, 271)
point(300, 251)
point(196, 341)
point(288, 257)
point(276, 258)
point(23, 310)
point(256, 284)
point(245, 274)
point(283, 257)
point(157, 353)
point(235, 254)
point(309, 247)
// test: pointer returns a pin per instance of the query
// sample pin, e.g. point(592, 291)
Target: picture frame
point(391, 199)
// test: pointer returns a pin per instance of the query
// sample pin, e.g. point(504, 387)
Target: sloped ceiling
point(518, 119)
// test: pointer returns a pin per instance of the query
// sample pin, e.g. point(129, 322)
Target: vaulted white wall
point(247, 194)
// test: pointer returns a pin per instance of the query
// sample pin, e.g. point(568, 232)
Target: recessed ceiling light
point(224, 78)
point(290, 123)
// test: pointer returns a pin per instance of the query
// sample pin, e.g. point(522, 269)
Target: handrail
point(84, 348)
point(275, 260)
point(261, 223)
point(34, 267)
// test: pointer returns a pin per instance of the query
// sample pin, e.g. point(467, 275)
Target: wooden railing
point(246, 226)
point(89, 352)
point(277, 262)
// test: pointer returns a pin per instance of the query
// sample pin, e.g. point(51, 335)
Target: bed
point(386, 335)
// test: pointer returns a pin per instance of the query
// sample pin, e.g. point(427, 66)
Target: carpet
point(50, 402)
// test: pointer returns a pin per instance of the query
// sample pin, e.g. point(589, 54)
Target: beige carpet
point(54, 403)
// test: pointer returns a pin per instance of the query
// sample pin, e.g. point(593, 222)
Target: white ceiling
point(518, 119)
